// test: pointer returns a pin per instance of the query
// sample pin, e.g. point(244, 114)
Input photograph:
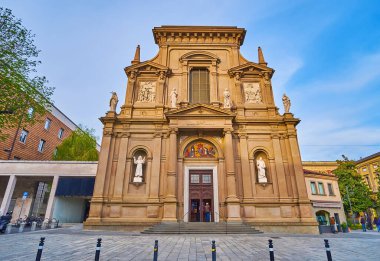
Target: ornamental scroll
point(200, 149)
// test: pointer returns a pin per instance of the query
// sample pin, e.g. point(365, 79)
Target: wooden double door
point(201, 196)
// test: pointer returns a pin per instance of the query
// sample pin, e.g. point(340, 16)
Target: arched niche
point(139, 161)
point(203, 148)
point(261, 159)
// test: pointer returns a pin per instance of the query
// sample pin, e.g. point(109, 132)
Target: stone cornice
point(199, 35)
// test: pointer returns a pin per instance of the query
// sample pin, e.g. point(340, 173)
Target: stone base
point(287, 227)
point(130, 226)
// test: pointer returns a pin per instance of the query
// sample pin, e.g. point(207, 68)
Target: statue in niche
point(286, 102)
point(262, 177)
point(173, 98)
point(227, 98)
point(147, 92)
point(139, 168)
point(252, 93)
point(113, 101)
point(162, 75)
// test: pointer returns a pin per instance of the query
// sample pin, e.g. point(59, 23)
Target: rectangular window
point(16, 158)
point(331, 190)
point(194, 178)
point(23, 135)
point(47, 123)
point(60, 133)
point(321, 188)
point(313, 188)
point(206, 179)
point(199, 86)
point(364, 169)
point(41, 145)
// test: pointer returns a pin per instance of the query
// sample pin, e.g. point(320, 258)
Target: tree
point(79, 146)
point(21, 90)
point(352, 182)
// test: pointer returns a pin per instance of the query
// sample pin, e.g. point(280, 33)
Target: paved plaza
point(72, 243)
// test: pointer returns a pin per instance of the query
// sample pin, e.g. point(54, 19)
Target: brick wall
point(29, 150)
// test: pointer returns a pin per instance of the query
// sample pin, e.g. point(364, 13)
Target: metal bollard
point(21, 228)
point(9, 228)
point(328, 252)
point(155, 251)
point(40, 248)
point(213, 251)
point(271, 252)
point(97, 251)
point(33, 227)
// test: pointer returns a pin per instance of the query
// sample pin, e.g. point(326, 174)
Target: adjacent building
point(48, 189)
point(199, 126)
point(369, 169)
point(37, 141)
point(323, 191)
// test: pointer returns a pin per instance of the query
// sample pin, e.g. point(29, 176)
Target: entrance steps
point(201, 228)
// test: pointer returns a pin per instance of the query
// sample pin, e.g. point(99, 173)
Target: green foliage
point(79, 146)
point(20, 88)
point(351, 181)
point(344, 225)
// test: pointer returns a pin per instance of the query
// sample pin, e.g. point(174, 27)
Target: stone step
point(201, 228)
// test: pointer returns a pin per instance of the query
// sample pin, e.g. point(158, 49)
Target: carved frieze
point(147, 92)
point(252, 92)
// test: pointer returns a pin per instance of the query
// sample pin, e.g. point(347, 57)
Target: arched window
point(323, 217)
point(199, 86)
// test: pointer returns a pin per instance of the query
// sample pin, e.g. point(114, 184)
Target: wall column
point(120, 171)
point(233, 204)
point(281, 181)
point(8, 194)
point(246, 173)
point(170, 204)
point(50, 204)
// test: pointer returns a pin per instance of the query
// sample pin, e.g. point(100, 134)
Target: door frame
point(186, 186)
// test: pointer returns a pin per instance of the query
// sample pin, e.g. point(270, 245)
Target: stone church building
point(199, 138)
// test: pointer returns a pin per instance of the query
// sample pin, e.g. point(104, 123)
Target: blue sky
point(326, 55)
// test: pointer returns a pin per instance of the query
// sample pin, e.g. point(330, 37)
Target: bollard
point(40, 247)
point(213, 251)
point(271, 252)
point(9, 228)
point(44, 225)
point(33, 227)
point(155, 251)
point(328, 252)
point(21, 228)
point(97, 251)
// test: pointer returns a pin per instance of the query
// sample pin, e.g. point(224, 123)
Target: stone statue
point(173, 98)
point(139, 168)
point(286, 102)
point(227, 98)
point(162, 75)
point(261, 171)
point(113, 101)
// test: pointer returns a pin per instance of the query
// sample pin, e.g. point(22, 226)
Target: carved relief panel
point(252, 92)
point(147, 91)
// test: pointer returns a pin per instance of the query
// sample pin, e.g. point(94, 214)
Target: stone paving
point(75, 244)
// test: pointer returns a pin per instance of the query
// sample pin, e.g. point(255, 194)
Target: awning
point(71, 186)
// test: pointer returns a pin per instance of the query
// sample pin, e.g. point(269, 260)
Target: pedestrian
point(378, 224)
point(333, 225)
point(362, 221)
point(207, 212)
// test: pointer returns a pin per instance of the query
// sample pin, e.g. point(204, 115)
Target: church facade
point(199, 138)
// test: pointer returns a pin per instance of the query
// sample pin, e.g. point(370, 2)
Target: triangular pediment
point(148, 67)
point(200, 110)
point(250, 68)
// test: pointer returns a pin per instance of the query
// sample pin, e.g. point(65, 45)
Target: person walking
point(362, 221)
point(332, 224)
point(378, 224)
point(207, 212)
